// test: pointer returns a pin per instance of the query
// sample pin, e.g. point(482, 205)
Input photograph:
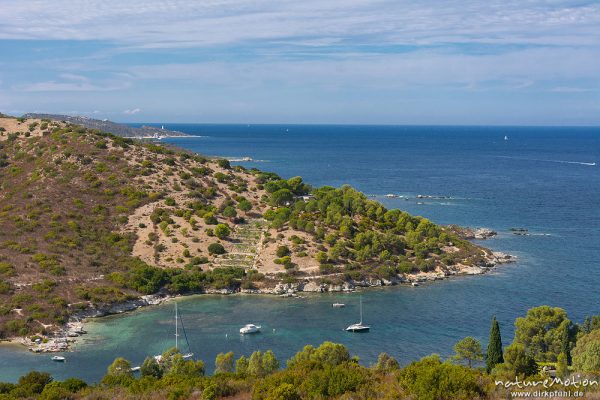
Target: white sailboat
point(189, 354)
point(359, 327)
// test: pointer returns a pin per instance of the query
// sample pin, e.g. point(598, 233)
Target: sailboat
point(189, 354)
point(359, 327)
point(505, 137)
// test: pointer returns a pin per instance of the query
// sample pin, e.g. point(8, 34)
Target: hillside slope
point(88, 219)
point(108, 126)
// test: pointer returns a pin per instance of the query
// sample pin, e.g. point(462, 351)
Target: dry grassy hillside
point(87, 219)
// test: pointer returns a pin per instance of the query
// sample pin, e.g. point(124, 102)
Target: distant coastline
point(104, 125)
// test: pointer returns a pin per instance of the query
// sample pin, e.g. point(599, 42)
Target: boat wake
point(590, 164)
point(185, 137)
point(243, 159)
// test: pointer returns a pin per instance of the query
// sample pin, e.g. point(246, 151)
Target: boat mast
point(361, 310)
point(176, 332)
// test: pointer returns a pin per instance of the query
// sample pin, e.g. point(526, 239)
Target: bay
point(541, 178)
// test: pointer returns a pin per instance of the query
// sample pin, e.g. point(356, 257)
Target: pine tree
point(494, 349)
point(224, 363)
point(255, 364)
point(241, 366)
point(587, 325)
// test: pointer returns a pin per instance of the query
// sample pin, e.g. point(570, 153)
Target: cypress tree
point(494, 349)
point(565, 340)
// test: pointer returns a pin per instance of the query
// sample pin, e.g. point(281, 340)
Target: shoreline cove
point(64, 339)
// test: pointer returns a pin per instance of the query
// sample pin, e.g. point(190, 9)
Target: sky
point(493, 62)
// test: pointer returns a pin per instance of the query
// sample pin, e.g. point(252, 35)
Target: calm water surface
point(540, 179)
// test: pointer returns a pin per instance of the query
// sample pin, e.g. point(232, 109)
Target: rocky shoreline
point(62, 340)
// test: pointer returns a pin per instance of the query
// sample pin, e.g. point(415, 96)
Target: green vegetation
point(325, 372)
point(69, 197)
point(360, 233)
point(432, 379)
point(222, 231)
point(216, 248)
point(469, 350)
point(494, 349)
point(586, 354)
point(541, 332)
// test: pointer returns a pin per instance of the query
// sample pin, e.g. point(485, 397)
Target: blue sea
point(543, 179)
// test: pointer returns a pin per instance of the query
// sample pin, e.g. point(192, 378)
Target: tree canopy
point(539, 332)
point(469, 350)
point(586, 354)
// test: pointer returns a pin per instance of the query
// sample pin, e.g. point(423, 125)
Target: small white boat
point(338, 305)
point(135, 369)
point(505, 137)
point(59, 359)
point(415, 283)
point(359, 327)
point(250, 328)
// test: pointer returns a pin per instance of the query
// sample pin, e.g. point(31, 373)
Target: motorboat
point(59, 359)
point(338, 305)
point(250, 328)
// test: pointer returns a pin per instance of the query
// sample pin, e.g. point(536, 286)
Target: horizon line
point(361, 124)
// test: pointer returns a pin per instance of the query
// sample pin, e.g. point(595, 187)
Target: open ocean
point(544, 179)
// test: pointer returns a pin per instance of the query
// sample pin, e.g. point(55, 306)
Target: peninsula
point(90, 221)
point(104, 125)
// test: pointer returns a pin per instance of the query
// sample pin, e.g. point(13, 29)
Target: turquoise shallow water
point(527, 181)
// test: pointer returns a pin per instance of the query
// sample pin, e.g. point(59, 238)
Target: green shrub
point(216, 248)
point(222, 231)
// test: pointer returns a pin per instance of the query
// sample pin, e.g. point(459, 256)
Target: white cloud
point(263, 53)
point(53, 86)
point(516, 70)
point(189, 23)
point(570, 89)
point(74, 83)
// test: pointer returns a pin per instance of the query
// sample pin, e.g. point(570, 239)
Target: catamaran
point(178, 320)
point(359, 327)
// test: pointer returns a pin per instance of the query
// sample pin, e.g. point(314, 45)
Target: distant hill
point(109, 126)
